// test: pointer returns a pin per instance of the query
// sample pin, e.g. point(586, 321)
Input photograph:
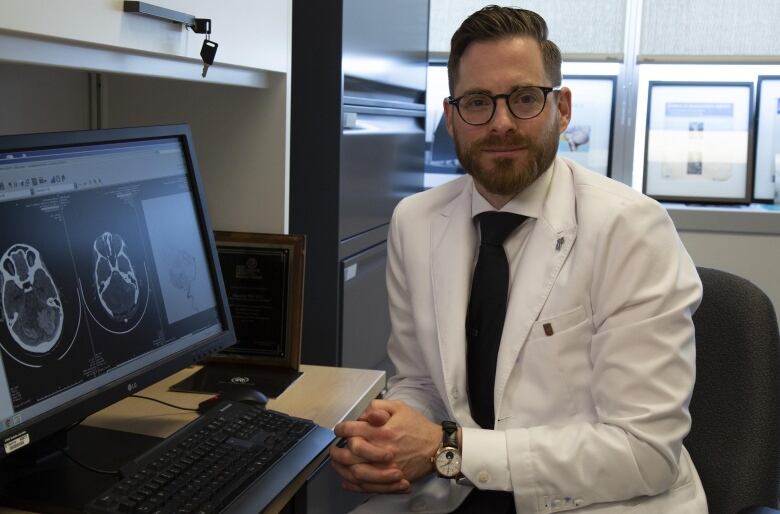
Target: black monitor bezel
point(70, 413)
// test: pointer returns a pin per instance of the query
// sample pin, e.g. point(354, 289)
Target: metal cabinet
point(365, 319)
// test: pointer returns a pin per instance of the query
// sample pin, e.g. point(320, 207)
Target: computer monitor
point(109, 275)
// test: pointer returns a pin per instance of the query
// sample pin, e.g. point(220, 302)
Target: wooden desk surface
point(325, 395)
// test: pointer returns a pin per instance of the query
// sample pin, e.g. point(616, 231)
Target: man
point(577, 397)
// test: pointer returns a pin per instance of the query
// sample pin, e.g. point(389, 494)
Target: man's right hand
point(363, 466)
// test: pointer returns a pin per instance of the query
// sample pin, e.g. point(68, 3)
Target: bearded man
point(541, 316)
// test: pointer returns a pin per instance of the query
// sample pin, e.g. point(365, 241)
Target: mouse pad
point(215, 378)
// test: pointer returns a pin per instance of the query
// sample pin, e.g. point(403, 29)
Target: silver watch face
point(448, 462)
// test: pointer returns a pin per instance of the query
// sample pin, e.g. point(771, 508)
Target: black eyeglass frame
point(546, 90)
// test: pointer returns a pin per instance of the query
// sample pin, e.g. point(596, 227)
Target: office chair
point(735, 408)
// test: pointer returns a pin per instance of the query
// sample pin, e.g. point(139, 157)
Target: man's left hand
point(411, 437)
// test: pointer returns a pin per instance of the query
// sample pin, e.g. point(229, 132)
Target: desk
point(323, 394)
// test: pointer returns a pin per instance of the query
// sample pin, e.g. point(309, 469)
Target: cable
point(83, 465)
point(115, 472)
point(86, 466)
point(164, 403)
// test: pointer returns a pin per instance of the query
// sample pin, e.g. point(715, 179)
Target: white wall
point(239, 136)
point(42, 99)
point(755, 257)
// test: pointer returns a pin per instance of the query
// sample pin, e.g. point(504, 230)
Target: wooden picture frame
point(250, 263)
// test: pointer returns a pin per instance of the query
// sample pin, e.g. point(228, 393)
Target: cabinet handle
point(350, 272)
point(350, 120)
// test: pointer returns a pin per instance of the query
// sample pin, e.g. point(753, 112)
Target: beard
point(509, 176)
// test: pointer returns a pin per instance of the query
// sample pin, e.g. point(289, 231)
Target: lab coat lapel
point(545, 252)
point(453, 243)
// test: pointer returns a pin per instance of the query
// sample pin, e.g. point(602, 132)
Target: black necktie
point(487, 310)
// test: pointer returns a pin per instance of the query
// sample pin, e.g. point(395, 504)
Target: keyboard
point(208, 464)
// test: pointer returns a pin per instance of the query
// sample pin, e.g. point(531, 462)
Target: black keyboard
point(207, 464)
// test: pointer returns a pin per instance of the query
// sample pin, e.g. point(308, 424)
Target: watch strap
point(449, 443)
point(449, 434)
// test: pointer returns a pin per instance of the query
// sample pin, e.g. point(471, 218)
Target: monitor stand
point(218, 377)
point(56, 484)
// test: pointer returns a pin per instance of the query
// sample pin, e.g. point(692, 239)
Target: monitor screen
point(108, 272)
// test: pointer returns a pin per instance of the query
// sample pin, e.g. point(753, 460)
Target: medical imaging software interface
point(102, 269)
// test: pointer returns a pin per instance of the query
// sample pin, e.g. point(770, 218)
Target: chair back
point(735, 408)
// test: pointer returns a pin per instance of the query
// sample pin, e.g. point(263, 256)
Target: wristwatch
point(447, 457)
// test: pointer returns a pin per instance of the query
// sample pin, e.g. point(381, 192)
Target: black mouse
point(246, 395)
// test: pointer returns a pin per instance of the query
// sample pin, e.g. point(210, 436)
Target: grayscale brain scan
point(32, 308)
point(115, 278)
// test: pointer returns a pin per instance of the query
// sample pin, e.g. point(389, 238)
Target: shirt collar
point(527, 202)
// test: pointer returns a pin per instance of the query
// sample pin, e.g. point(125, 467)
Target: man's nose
point(503, 119)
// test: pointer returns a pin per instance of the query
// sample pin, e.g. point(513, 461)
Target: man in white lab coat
point(589, 378)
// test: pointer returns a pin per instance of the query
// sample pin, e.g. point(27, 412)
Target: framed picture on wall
point(766, 177)
point(697, 142)
point(441, 160)
point(588, 138)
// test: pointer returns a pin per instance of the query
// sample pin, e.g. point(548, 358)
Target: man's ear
point(564, 109)
point(449, 112)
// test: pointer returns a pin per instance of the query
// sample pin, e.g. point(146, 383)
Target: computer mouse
point(247, 395)
point(236, 394)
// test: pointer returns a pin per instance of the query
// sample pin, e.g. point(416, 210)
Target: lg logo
point(239, 380)
point(132, 386)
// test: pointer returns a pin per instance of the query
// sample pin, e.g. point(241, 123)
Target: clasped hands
point(388, 447)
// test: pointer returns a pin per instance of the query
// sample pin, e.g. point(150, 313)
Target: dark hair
point(492, 23)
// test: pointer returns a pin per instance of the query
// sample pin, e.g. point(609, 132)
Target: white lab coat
point(590, 418)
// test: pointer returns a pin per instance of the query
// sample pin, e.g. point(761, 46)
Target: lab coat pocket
point(548, 327)
point(566, 339)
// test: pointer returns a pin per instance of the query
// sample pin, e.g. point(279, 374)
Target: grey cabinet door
point(365, 318)
point(382, 162)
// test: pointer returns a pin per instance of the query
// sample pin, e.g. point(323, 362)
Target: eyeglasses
point(524, 103)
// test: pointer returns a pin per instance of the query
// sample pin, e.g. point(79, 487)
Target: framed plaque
point(588, 138)
point(766, 178)
point(697, 143)
point(263, 276)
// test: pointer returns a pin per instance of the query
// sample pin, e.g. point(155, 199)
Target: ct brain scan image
point(115, 278)
point(32, 308)
point(182, 273)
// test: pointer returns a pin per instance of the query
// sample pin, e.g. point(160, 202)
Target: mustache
point(505, 141)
